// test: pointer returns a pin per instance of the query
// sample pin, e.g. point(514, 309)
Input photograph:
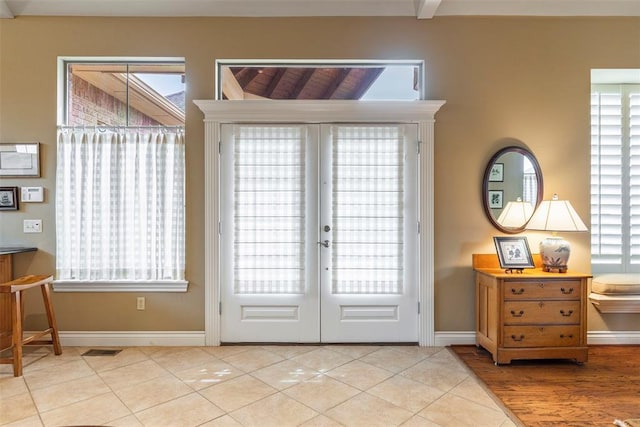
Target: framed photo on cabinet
point(513, 252)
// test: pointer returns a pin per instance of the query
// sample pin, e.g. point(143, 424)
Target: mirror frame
point(485, 185)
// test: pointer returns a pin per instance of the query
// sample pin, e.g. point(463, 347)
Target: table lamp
point(555, 215)
point(515, 214)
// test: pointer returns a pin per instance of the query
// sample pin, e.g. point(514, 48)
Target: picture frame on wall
point(495, 199)
point(8, 198)
point(21, 159)
point(513, 252)
point(496, 174)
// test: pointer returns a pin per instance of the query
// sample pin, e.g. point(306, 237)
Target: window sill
point(121, 286)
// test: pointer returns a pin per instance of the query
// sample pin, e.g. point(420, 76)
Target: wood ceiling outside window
point(258, 82)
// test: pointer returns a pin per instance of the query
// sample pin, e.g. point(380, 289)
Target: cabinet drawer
point(560, 289)
point(538, 312)
point(541, 336)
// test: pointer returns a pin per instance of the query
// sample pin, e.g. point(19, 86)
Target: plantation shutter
point(634, 179)
point(615, 178)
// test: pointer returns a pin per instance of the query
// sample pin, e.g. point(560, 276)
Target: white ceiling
point(417, 8)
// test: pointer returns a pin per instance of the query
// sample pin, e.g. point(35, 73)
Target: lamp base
point(555, 252)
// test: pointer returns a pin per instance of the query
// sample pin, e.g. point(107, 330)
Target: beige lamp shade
point(515, 214)
point(555, 215)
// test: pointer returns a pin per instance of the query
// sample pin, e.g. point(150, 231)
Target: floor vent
point(99, 352)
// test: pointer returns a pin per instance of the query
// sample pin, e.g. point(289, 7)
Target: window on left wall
point(120, 179)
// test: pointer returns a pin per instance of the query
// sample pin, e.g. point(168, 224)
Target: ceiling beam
point(365, 84)
point(426, 9)
point(328, 94)
point(302, 83)
point(539, 8)
point(267, 8)
point(5, 11)
point(230, 86)
point(275, 80)
point(246, 75)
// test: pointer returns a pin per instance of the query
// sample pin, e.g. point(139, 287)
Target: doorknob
point(325, 243)
point(327, 228)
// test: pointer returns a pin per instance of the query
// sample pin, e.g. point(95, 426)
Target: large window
point(120, 176)
point(615, 178)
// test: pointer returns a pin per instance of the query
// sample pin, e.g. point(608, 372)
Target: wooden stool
point(15, 288)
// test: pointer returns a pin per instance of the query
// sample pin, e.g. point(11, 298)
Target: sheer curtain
point(120, 205)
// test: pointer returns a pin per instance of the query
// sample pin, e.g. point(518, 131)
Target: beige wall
point(522, 78)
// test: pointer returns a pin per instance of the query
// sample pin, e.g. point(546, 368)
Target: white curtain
point(120, 205)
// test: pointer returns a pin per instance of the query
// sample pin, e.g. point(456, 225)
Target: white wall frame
point(310, 111)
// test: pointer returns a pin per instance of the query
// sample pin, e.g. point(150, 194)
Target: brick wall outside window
point(92, 106)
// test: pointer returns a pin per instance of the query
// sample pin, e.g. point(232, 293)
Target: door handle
point(325, 243)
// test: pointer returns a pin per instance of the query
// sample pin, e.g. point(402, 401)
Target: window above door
point(319, 80)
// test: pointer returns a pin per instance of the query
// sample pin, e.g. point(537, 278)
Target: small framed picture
point(496, 174)
point(513, 252)
point(8, 198)
point(20, 159)
point(495, 199)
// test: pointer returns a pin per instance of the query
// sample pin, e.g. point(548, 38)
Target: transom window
point(317, 80)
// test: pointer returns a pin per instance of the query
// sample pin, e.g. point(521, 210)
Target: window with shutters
point(615, 178)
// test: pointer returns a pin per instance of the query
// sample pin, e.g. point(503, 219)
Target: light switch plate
point(32, 226)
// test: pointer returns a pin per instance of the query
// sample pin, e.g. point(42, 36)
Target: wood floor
point(560, 392)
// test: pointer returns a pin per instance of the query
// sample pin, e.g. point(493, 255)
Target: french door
point(318, 233)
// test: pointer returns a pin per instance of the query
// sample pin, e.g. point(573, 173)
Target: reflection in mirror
point(511, 189)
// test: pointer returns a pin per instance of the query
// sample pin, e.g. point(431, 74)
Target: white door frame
point(297, 111)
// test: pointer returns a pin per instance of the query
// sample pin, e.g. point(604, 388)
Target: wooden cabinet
point(530, 315)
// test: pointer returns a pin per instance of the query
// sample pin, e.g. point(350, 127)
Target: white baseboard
point(131, 338)
point(197, 338)
point(444, 339)
point(613, 337)
point(593, 338)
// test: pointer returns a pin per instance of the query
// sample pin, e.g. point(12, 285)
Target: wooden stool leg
point(16, 324)
point(51, 317)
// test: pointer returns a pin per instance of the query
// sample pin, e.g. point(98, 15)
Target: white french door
point(319, 238)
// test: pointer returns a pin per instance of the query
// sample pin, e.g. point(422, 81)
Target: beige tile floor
point(262, 386)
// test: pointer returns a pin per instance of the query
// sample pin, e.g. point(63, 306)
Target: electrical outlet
point(32, 226)
point(140, 303)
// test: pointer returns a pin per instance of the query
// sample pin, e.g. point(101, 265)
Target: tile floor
point(247, 386)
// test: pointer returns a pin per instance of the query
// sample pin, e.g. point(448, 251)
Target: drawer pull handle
point(566, 292)
point(566, 336)
point(566, 314)
point(517, 292)
point(515, 338)
point(519, 314)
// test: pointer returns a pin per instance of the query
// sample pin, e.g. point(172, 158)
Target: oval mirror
point(511, 188)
